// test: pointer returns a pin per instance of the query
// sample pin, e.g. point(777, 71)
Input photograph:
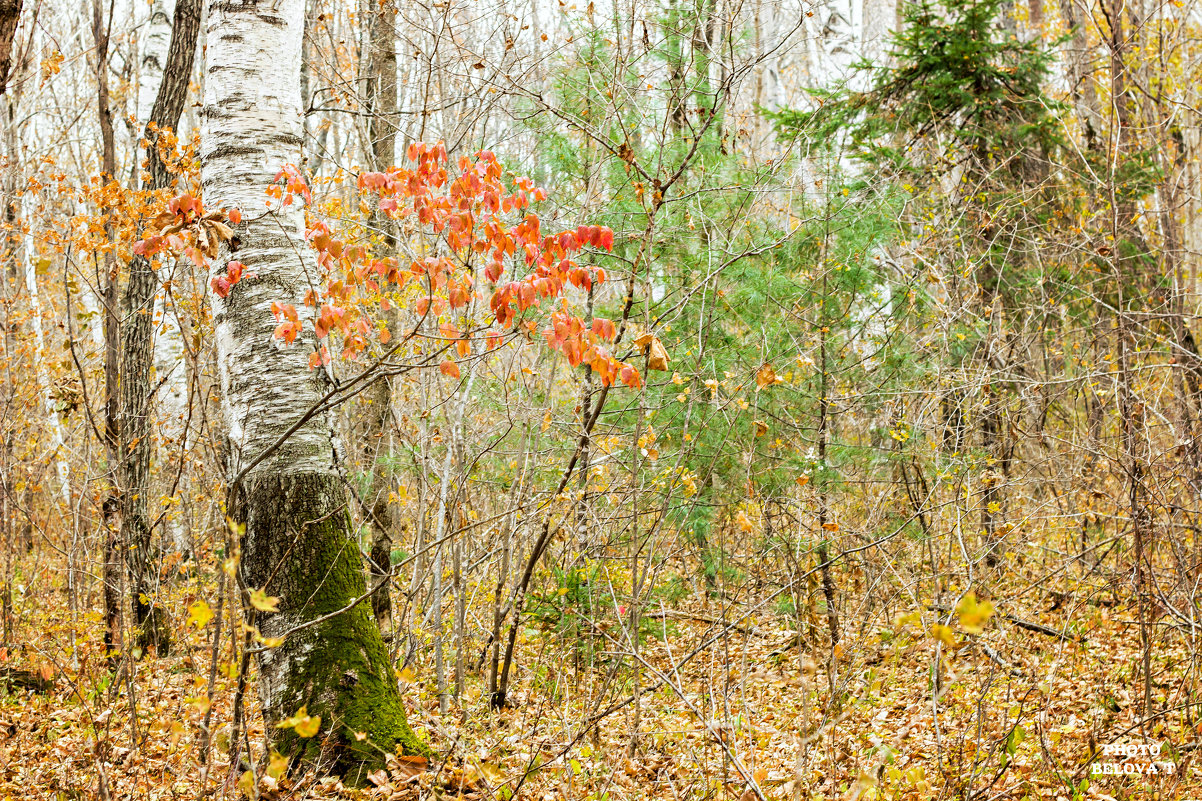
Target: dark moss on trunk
point(298, 545)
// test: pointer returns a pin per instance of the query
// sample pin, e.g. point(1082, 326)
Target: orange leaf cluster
point(476, 218)
point(185, 228)
point(481, 218)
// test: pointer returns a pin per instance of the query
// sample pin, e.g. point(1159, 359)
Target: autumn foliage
point(469, 229)
point(474, 228)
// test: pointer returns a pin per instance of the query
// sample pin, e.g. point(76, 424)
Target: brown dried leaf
point(657, 358)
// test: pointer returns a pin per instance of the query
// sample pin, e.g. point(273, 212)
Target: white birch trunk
point(251, 128)
point(298, 543)
point(170, 372)
point(154, 56)
point(43, 378)
point(95, 321)
point(90, 300)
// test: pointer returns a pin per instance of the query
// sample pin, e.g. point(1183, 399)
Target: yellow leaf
point(309, 726)
point(278, 766)
point(765, 377)
point(301, 723)
point(973, 613)
point(199, 614)
point(263, 602)
point(406, 675)
point(943, 634)
point(199, 703)
point(802, 480)
point(761, 428)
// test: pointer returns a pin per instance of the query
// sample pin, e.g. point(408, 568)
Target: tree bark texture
point(10, 16)
point(137, 351)
point(382, 100)
point(298, 543)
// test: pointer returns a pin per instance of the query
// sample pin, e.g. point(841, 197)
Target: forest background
point(646, 399)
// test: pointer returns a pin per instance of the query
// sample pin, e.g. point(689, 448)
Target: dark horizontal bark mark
point(263, 9)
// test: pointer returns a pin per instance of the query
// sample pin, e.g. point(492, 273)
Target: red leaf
point(449, 368)
point(603, 328)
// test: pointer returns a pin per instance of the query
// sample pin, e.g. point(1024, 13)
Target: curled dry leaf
point(657, 354)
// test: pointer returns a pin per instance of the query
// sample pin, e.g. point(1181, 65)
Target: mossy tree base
point(298, 546)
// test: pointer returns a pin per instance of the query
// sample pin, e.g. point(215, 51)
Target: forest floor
point(741, 715)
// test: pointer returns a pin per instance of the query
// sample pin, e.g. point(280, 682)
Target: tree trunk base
point(298, 546)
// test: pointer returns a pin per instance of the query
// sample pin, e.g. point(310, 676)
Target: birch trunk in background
point(298, 543)
point(39, 340)
point(154, 56)
point(170, 373)
point(137, 351)
point(28, 257)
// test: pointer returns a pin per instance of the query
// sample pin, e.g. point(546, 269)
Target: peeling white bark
point(250, 128)
point(170, 369)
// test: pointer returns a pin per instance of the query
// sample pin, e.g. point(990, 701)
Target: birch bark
point(137, 351)
point(27, 254)
point(171, 374)
point(297, 544)
point(52, 422)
